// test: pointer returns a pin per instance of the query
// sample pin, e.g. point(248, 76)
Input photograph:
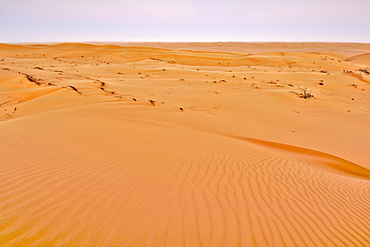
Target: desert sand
point(185, 144)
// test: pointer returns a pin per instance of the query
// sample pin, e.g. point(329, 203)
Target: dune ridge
point(361, 59)
point(172, 145)
point(336, 163)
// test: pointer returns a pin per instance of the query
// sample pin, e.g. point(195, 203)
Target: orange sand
point(185, 144)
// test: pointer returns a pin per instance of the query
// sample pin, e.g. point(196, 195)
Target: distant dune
point(257, 47)
point(185, 144)
point(360, 59)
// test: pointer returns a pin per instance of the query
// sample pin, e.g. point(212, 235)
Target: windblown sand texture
point(185, 145)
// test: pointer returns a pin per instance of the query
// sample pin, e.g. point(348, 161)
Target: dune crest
point(360, 59)
point(191, 144)
point(333, 162)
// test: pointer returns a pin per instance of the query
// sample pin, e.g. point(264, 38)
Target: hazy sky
point(184, 20)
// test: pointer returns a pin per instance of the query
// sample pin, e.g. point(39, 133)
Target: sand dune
point(169, 145)
point(360, 59)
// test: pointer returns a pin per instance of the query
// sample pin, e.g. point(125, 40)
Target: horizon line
point(97, 41)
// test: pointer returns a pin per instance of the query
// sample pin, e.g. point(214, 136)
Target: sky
point(184, 20)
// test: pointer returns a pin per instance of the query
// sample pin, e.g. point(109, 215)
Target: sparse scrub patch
point(31, 79)
point(304, 93)
point(75, 89)
point(365, 71)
